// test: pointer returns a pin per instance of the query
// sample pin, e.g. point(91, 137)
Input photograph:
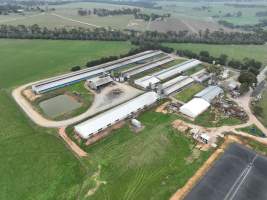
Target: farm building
point(71, 78)
point(209, 93)
point(114, 115)
point(147, 81)
point(176, 84)
point(139, 69)
point(176, 69)
point(194, 107)
point(201, 76)
point(98, 81)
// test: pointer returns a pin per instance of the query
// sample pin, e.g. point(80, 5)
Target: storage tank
point(136, 123)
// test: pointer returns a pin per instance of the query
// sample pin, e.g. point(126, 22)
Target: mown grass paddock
point(23, 61)
point(239, 52)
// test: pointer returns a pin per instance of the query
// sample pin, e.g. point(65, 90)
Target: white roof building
point(146, 81)
point(98, 81)
point(114, 115)
point(209, 93)
point(194, 107)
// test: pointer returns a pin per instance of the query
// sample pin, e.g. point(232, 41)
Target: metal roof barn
point(114, 115)
point(209, 93)
point(177, 69)
point(178, 86)
point(70, 78)
point(136, 70)
point(173, 81)
point(96, 82)
point(146, 81)
point(194, 107)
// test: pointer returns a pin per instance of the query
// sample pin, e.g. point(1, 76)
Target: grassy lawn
point(188, 93)
point(35, 164)
point(23, 61)
point(151, 164)
point(263, 105)
point(257, 52)
point(253, 130)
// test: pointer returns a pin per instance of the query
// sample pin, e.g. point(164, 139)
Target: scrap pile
point(229, 108)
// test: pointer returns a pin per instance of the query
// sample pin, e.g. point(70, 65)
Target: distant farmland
point(257, 52)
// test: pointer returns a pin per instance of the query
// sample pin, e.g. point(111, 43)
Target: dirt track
point(74, 147)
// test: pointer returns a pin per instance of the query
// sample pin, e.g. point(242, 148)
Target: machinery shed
point(209, 93)
point(97, 82)
point(194, 107)
point(114, 115)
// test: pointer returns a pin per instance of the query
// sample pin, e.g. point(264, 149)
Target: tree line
point(246, 27)
point(102, 12)
point(152, 16)
point(136, 37)
point(246, 64)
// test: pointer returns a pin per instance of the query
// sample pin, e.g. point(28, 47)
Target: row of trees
point(247, 27)
point(136, 37)
point(102, 12)
point(152, 16)
point(247, 64)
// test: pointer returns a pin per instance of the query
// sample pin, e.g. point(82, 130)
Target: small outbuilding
point(194, 107)
point(96, 82)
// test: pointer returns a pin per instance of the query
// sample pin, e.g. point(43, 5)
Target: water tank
point(136, 123)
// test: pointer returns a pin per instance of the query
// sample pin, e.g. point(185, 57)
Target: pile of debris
point(173, 107)
point(230, 109)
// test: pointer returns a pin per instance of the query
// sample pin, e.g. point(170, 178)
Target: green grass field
point(253, 130)
point(23, 61)
point(263, 104)
point(257, 52)
point(188, 93)
point(35, 164)
point(151, 164)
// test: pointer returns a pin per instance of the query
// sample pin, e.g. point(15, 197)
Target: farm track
point(73, 20)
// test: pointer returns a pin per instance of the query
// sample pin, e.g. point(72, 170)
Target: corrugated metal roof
point(173, 81)
point(69, 78)
point(98, 81)
point(138, 69)
point(114, 115)
point(194, 107)
point(209, 93)
point(146, 81)
point(180, 85)
point(176, 69)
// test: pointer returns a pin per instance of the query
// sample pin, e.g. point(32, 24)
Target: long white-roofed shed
point(114, 115)
point(194, 107)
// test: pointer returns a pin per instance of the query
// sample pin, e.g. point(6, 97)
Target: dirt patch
point(194, 155)
point(98, 182)
point(113, 94)
point(162, 108)
point(30, 95)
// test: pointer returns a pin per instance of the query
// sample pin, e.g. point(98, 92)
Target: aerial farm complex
point(89, 104)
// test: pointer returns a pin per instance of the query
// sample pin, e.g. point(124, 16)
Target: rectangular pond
point(59, 105)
